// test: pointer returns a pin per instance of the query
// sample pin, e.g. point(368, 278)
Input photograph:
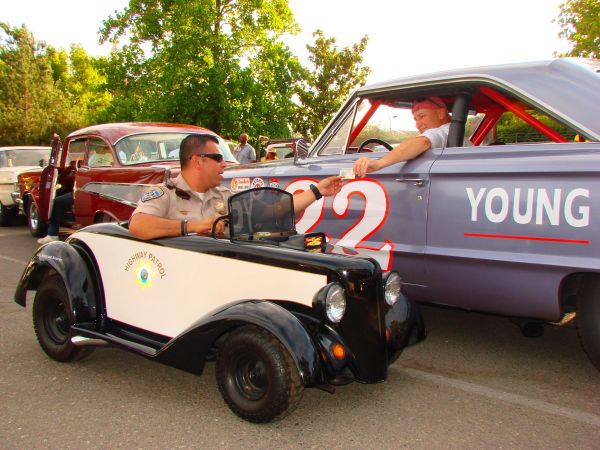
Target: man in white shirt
point(433, 122)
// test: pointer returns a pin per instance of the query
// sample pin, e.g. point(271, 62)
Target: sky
point(405, 37)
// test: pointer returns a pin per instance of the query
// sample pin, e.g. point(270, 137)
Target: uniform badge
point(152, 193)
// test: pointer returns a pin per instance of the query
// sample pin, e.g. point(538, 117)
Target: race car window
point(391, 123)
point(505, 119)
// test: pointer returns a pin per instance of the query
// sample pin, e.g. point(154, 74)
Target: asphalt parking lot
point(476, 382)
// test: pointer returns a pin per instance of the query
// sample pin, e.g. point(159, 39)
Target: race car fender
point(70, 266)
point(270, 316)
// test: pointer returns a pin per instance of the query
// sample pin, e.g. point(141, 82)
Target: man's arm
point(146, 226)
point(409, 149)
point(327, 186)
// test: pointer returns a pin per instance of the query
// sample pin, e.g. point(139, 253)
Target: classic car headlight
point(392, 286)
point(335, 303)
point(330, 301)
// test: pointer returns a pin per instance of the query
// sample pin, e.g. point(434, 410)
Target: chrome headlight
point(335, 303)
point(392, 287)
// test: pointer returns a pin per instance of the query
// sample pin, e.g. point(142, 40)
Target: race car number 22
point(355, 237)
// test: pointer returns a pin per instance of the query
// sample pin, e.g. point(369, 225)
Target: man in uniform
point(433, 122)
point(195, 199)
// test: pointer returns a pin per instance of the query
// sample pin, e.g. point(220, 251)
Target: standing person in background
point(244, 152)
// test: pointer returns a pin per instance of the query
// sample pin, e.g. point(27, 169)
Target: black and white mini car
point(277, 310)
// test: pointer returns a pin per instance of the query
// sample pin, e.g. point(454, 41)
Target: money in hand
point(347, 174)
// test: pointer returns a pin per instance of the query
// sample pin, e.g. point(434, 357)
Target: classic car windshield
point(156, 147)
point(262, 213)
point(24, 157)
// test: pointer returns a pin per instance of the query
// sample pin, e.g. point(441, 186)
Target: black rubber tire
point(7, 215)
point(588, 322)
point(257, 376)
point(36, 227)
point(52, 323)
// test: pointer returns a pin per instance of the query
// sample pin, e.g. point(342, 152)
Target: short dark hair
point(191, 143)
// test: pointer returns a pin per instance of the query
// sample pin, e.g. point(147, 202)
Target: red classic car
point(106, 166)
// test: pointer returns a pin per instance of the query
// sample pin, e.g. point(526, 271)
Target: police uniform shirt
point(162, 201)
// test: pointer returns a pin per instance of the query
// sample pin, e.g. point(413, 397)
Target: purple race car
point(502, 220)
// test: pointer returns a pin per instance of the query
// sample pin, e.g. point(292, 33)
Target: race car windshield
point(261, 214)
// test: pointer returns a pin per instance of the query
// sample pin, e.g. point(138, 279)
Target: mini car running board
point(83, 341)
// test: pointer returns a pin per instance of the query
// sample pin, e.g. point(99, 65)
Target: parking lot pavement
point(474, 383)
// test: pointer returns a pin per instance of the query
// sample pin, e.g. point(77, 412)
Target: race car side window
point(510, 120)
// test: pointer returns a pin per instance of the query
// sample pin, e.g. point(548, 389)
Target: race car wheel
point(588, 322)
point(257, 376)
point(36, 227)
point(52, 324)
point(7, 215)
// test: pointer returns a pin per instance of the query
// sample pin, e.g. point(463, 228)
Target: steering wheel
point(362, 147)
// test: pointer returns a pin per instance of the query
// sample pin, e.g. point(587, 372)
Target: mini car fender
point(64, 260)
point(277, 320)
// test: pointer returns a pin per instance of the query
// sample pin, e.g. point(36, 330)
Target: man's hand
point(205, 226)
point(363, 165)
point(330, 185)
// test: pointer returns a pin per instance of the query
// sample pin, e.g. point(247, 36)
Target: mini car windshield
point(261, 214)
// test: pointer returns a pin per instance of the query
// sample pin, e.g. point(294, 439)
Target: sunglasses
point(214, 156)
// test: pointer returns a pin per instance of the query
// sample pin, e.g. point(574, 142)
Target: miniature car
point(503, 220)
point(13, 161)
point(107, 167)
point(277, 310)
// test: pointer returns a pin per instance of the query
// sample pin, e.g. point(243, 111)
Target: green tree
point(214, 63)
point(580, 24)
point(334, 74)
point(31, 105)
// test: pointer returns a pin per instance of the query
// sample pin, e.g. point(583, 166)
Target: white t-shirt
point(438, 136)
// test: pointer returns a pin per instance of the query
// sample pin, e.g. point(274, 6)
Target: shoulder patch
point(152, 193)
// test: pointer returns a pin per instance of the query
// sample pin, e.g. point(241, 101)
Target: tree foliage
point(44, 90)
point(214, 63)
point(334, 74)
point(31, 105)
point(580, 24)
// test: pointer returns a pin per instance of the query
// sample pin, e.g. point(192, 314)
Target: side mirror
point(302, 148)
